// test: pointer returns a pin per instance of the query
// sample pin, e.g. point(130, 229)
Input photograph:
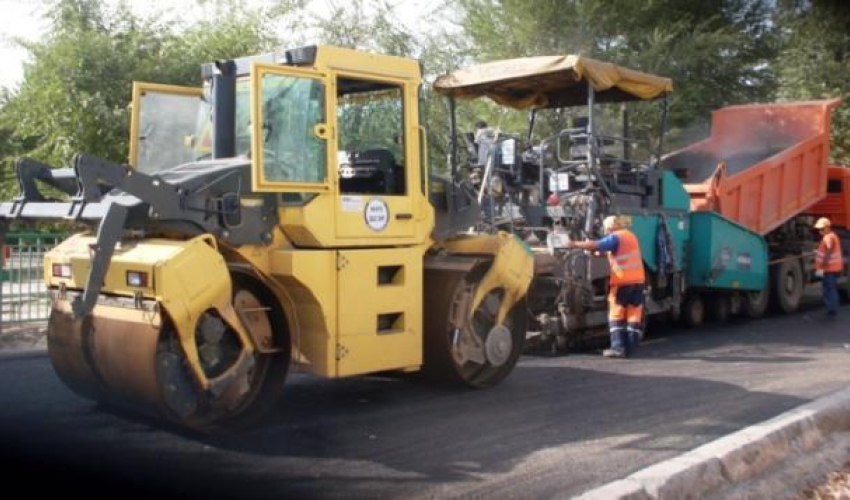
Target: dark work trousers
point(830, 292)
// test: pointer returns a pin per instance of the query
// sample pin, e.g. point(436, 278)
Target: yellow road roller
point(279, 214)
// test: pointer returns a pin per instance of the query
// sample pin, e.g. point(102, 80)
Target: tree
point(75, 93)
point(370, 26)
point(815, 60)
point(716, 51)
point(374, 26)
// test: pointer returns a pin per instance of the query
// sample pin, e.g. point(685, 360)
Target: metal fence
point(23, 295)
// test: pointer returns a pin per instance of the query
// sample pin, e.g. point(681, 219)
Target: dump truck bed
point(762, 164)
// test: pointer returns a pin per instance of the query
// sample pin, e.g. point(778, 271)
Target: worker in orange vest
point(626, 284)
point(829, 264)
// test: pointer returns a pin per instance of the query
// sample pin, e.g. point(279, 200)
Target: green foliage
point(374, 26)
point(75, 93)
point(716, 52)
point(371, 26)
point(815, 61)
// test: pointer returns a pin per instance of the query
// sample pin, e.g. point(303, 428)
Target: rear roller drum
point(455, 356)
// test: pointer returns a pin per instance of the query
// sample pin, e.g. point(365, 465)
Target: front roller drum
point(451, 355)
point(109, 355)
point(131, 358)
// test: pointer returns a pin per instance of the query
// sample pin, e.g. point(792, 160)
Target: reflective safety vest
point(830, 260)
point(626, 263)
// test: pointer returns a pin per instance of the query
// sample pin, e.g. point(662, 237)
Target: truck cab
point(836, 204)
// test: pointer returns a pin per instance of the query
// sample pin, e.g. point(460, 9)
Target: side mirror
point(231, 212)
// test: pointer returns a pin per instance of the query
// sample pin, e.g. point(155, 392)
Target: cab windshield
point(203, 132)
point(166, 130)
point(177, 128)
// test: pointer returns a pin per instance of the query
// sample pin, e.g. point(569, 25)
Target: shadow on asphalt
point(378, 434)
point(374, 436)
point(438, 436)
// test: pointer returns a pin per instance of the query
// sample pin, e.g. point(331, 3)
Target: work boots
point(613, 353)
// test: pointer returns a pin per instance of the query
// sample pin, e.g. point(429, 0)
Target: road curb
point(734, 459)
point(23, 353)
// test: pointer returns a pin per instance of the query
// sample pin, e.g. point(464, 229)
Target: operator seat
point(375, 172)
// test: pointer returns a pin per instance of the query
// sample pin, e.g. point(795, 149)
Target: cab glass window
point(243, 117)
point(292, 107)
point(370, 120)
point(202, 140)
point(166, 126)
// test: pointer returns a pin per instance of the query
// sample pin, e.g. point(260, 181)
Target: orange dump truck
point(766, 167)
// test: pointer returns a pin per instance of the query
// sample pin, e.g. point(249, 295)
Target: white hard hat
point(822, 223)
point(613, 222)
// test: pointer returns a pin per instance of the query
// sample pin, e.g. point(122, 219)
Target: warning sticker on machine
point(352, 203)
point(377, 214)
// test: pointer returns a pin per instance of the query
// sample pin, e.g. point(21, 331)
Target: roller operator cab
point(279, 213)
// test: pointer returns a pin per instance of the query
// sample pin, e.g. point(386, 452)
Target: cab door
point(376, 161)
point(342, 149)
point(289, 149)
point(167, 127)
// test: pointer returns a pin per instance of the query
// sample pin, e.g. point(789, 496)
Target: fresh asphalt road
point(556, 427)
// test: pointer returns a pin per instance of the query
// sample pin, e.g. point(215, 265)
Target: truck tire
point(755, 303)
point(787, 286)
point(693, 311)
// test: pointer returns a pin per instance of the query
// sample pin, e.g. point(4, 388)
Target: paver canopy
point(551, 82)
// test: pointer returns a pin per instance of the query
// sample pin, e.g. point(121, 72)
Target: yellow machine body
point(355, 311)
point(336, 218)
point(183, 280)
point(345, 268)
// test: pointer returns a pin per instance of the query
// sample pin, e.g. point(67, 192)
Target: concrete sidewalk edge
point(737, 457)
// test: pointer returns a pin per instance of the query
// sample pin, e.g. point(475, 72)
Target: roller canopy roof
point(551, 82)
